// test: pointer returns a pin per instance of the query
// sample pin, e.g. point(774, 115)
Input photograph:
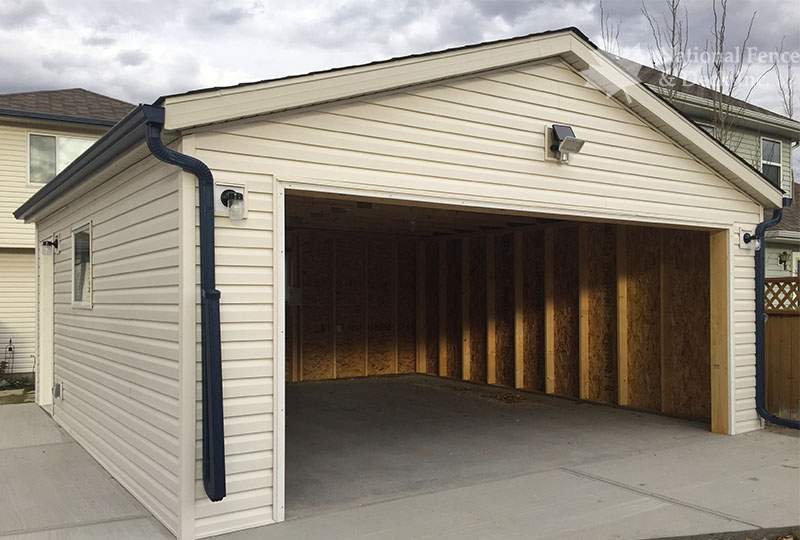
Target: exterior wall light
point(564, 142)
point(783, 259)
point(234, 202)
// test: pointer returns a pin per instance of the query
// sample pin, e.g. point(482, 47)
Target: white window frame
point(47, 134)
point(86, 303)
point(779, 164)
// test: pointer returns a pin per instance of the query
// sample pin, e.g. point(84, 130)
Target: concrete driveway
point(597, 473)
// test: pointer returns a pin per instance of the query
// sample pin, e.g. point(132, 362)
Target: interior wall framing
point(619, 314)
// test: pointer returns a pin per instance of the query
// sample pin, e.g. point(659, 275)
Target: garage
point(607, 313)
point(516, 233)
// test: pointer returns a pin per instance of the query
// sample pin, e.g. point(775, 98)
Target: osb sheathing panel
point(432, 305)
point(504, 308)
point(350, 302)
point(453, 307)
point(533, 310)
point(477, 307)
point(380, 291)
point(406, 305)
point(565, 304)
point(600, 281)
point(643, 256)
point(316, 315)
point(686, 378)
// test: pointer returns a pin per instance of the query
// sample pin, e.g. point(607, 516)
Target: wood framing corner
point(720, 348)
point(623, 395)
point(549, 315)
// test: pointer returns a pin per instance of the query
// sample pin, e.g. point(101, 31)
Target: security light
point(565, 142)
point(234, 201)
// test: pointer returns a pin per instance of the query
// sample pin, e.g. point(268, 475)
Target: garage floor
point(419, 457)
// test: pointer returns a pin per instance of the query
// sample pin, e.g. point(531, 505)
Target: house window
point(771, 160)
point(48, 155)
point(82, 266)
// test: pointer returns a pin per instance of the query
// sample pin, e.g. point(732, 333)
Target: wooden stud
point(396, 303)
point(422, 353)
point(549, 315)
point(719, 286)
point(662, 313)
point(365, 281)
point(466, 344)
point(583, 311)
point(443, 326)
point(491, 323)
point(519, 312)
point(623, 395)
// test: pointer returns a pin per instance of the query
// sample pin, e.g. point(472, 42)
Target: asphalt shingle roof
point(72, 103)
point(791, 216)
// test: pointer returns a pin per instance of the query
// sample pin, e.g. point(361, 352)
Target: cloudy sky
point(140, 49)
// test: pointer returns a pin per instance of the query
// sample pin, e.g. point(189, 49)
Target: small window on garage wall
point(82, 266)
point(771, 160)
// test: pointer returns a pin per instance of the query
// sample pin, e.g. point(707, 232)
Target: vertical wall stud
point(443, 322)
point(583, 311)
point(422, 354)
point(466, 343)
point(662, 315)
point(720, 354)
point(491, 307)
point(549, 314)
point(623, 395)
point(519, 313)
point(396, 304)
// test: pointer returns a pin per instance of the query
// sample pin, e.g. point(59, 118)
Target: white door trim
point(44, 319)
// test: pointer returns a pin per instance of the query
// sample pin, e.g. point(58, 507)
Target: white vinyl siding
point(244, 273)
point(14, 187)
point(118, 363)
point(472, 141)
point(17, 307)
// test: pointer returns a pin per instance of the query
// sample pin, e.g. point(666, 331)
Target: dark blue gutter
point(144, 124)
point(213, 424)
point(761, 318)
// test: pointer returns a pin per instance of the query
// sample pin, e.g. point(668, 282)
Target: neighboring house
point(40, 134)
point(762, 138)
point(783, 243)
point(405, 215)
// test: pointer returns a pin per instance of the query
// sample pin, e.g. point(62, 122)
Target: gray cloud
point(131, 57)
point(21, 13)
point(98, 41)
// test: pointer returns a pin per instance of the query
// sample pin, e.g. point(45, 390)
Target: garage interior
point(526, 307)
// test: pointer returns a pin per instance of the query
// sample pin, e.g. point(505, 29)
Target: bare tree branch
point(670, 35)
point(609, 32)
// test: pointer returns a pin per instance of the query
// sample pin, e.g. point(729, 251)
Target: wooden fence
point(782, 304)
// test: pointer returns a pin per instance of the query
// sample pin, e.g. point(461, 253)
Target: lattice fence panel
point(782, 295)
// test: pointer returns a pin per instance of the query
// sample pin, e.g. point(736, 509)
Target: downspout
point(211, 359)
point(761, 317)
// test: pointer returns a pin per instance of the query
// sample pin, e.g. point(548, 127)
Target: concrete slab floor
point(421, 457)
point(51, 488)
point(417, 456)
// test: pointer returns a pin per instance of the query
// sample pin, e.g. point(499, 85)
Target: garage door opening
point(424, 343)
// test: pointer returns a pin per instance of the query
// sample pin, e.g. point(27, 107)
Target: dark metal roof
point(68, 105)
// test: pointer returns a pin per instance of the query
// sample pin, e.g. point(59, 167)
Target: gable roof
point(223, 104)
point(68, 105)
